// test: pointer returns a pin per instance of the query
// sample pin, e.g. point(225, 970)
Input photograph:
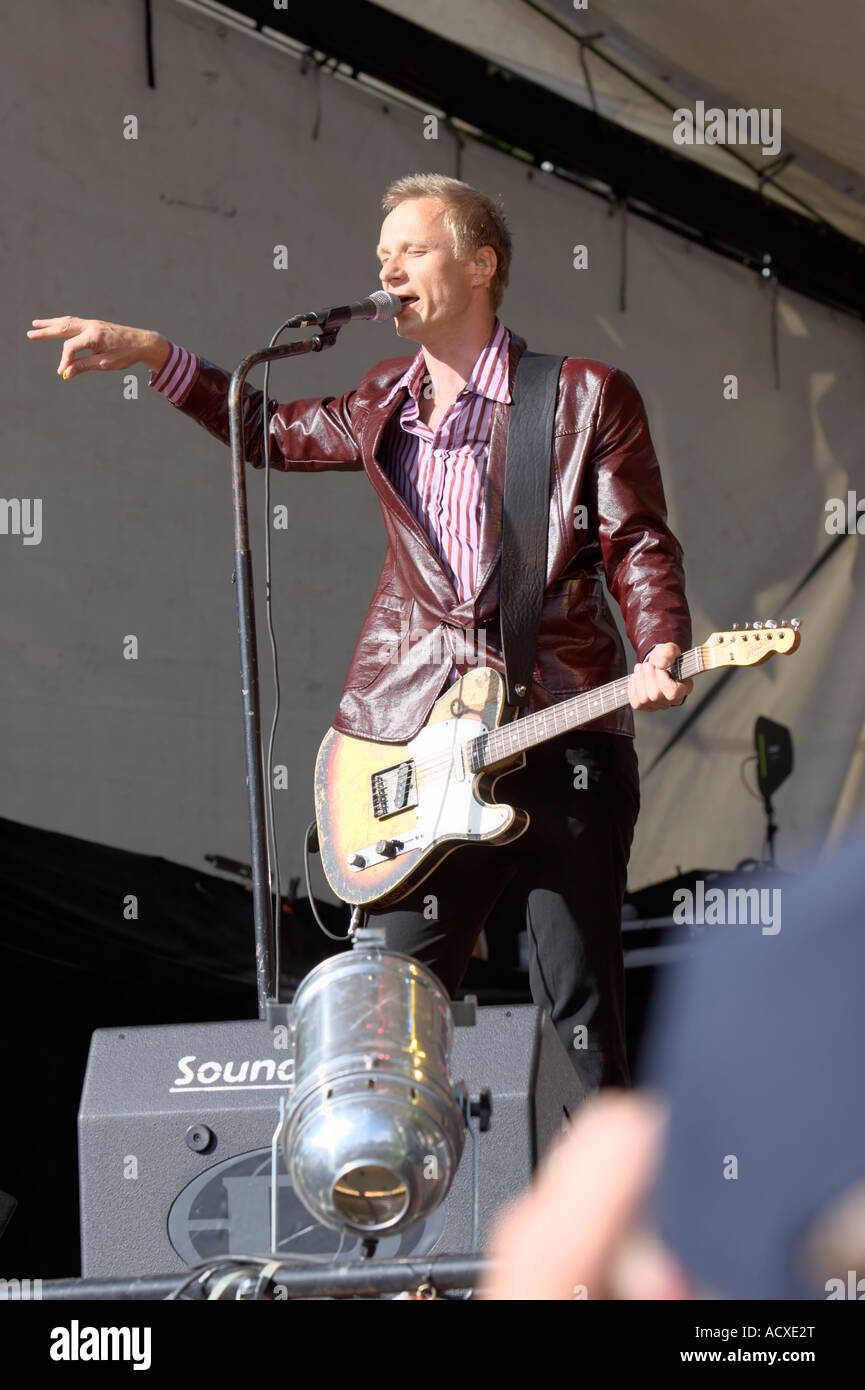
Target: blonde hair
point(472, 219)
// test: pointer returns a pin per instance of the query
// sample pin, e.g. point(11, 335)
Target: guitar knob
point(388, 848)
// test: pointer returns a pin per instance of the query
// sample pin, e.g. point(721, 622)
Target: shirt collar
point(489, 375)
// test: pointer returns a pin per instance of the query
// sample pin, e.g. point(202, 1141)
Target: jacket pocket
point(383, 639)
point(578, 644)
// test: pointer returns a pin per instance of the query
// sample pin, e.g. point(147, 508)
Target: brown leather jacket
point(604, 461)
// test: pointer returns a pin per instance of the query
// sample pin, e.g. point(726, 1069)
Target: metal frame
point(501, 105)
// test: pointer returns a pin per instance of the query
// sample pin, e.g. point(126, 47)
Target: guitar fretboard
point(502, 743)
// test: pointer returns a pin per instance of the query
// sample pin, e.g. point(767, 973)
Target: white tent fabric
point(780, 54)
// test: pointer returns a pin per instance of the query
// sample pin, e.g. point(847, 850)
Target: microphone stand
point(266, 982)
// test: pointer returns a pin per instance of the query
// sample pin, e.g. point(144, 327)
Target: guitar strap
point(525, 518)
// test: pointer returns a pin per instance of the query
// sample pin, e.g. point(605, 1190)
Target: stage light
point(374, 1128)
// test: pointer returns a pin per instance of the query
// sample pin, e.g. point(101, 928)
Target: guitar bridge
point(394, 789)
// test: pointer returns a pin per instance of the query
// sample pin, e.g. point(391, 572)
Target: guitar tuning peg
point(756, 626)
point(794, 623)
point(770, 622)
point(745, 627)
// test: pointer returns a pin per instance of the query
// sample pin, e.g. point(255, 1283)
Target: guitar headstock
point(754, 643)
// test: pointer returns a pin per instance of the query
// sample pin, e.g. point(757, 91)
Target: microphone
point(377, 306)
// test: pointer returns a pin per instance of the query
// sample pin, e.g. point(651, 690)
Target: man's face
point(419, 265)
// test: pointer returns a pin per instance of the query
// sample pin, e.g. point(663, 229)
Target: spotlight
point(374, 1129)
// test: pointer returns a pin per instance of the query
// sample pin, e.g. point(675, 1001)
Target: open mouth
point(408, 300)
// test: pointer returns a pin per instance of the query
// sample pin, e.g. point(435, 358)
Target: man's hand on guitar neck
point(651, 687)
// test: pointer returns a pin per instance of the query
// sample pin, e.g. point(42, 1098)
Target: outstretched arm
point(312, 435)
point(308, 435)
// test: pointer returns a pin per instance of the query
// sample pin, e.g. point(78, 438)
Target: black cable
point(750, 790)
point(148, 40)
point(776, 357)
point(226, 1263)
point(587, 77)
point(623, 258)
point(312, 907)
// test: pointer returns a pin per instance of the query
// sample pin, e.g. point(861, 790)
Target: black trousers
point(569, 869)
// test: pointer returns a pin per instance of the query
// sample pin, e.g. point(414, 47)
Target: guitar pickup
point(393, 789)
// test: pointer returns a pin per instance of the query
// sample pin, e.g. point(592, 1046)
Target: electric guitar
point(388, 814)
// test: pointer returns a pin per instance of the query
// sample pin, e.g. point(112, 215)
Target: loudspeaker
point(176, 1123)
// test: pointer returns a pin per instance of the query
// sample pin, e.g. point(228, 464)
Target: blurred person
point(736, 1170)
point(581, 1231)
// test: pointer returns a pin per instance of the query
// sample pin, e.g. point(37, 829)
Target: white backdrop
point(238, 151)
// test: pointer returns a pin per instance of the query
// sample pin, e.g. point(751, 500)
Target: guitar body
point(402, 809)
point(388, 814)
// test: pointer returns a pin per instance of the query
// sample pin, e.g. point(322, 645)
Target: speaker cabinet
point(176, 1123)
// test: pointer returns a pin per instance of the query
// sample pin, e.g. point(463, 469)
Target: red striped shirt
point(440, 473)
point(174, 379)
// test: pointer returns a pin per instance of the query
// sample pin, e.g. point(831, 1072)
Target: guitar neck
point(502, 743)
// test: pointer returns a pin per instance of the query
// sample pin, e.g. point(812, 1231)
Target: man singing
point(431, 433)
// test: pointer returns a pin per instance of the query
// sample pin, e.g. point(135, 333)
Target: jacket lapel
point(490, 539)
point(395, 504)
